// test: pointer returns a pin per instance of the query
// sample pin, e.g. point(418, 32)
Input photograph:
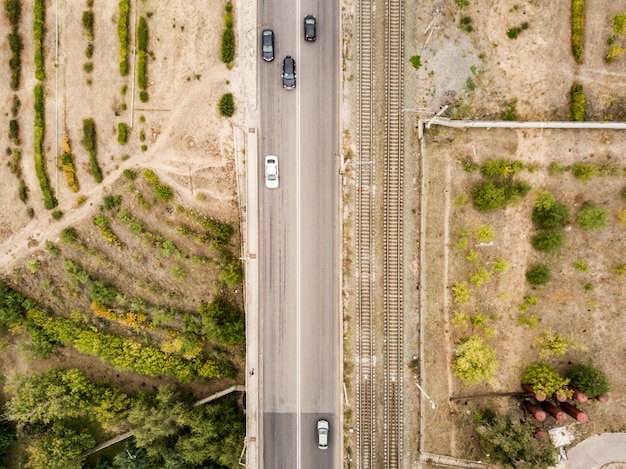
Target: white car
point(271, 172)
point(322, 434)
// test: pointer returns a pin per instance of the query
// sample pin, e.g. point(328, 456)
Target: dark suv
point(289, 73)
point(310, 25)
point(267, 45)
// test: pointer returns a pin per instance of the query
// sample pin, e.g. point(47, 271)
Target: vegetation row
point(49, 199)
point(122, 34)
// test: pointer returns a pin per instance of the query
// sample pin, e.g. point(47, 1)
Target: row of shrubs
point(577, 102)
point(89, 144)
point(122, 34)
point(39, 27)
point(142, 58)
point(49, 332)
point(228, 36)
point(15, 62)
point(49, 199)
point(162, 191)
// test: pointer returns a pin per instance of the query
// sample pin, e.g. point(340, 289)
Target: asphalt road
point(300, 317)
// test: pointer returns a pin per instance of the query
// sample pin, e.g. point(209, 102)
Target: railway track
point(392, 243)
point(365, 383)
point(369, 392)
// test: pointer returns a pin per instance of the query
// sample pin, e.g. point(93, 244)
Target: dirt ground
point(188, 145)
point(537, 70)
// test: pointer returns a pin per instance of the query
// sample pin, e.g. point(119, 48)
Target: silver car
point(271, 172)
point(322, 434)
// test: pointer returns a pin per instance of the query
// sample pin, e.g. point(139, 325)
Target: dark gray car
point(289, 73)
point(267, 44)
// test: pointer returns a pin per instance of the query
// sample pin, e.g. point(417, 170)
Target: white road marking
point(298, 262)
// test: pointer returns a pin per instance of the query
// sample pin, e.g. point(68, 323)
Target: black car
point(289, 73)
point(310, 25)
point(267, 45)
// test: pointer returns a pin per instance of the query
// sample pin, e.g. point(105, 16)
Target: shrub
point(67, 161)
point(550, 344)
point(548, 212)
point(501, 168)
point(227, 105)
point(512, 33)
point(143, 96)
point(14, 131)
point(222, 322)
point(591, 217)
point(39, 27)
point(462, 293)
point(15, 62)
point(162, 191)
point(619, 23)
point(510, 443)
point(89, 51)
point(122, 34)
point(57, 214)
point(484, 234)
point(614, 51)
point(416, 61)
point(577, 102)
point(543, 378)
point(475, 361)
point(88, 67)
point(100, 291)
point(585, 171)
point(548, 241)
point(89, 144)
point(590, 380)
point(88, 21)
point(578, 29)
point(13, 9)
point(122, 133)
point(228, 46)
point(49, 199)
point(539, 274)
point(492, 195)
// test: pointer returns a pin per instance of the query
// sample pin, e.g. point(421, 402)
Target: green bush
point(39, 28)
point(143, 96)
point(624, 193)
point(492, 195)
point(228, 46)
point(577, 102)
point(578, 29)
point(88, 22)
point(543, 378)
point(122, 34)
point(89, 51)
point(88, 67)
point(548, 240)
point(227, 105)
point(161, 190)
point(416, 61)
point(223, 322)
point(89, 144)
point(14, 131)
point(512, 33)
point(13, 9)
point(15, 62)
point(548, 213)
point(57, 214)
point(100, 291)
point(49, 199)
point(122, 133)
point(475, 362)
point(591, 217)
point(590, 380)
point(539, 274)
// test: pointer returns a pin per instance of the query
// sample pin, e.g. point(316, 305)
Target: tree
point(223, 322)
point(131, 457)
point(53, 395)
point(548, 213)
point(157, 418)
point(475, 361)
point(544, 378)
point(589, 379)
point(539, 274)
point(592, 217)
point(548, 240)
point(514, 446)
point(59, 448)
